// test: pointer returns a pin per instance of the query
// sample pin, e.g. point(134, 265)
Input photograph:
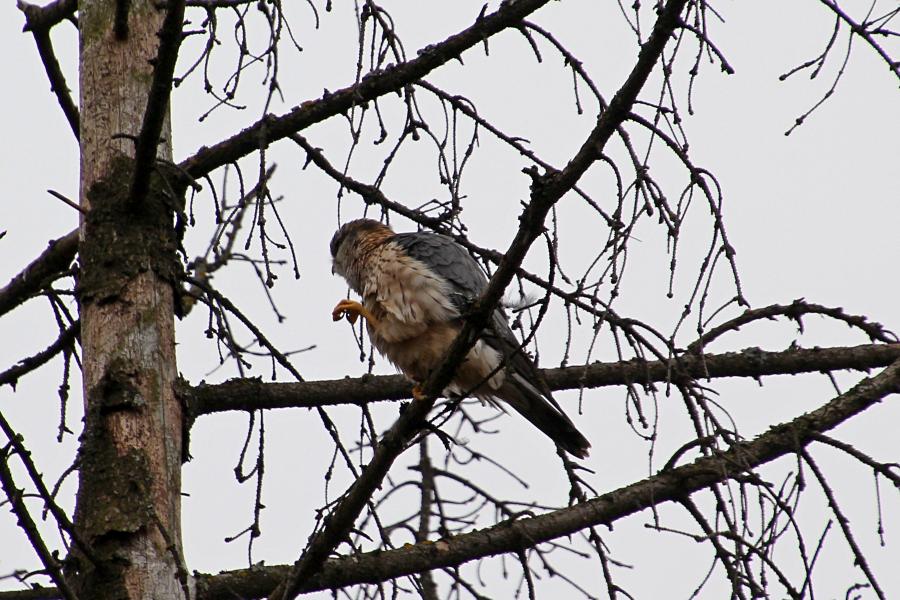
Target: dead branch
point(374, 85)
point(48, 559)
point(170, 37)
point(45, 17)
point(862, 30)
point(57, 79)
point(666, 486)
point(546, 191)
point(52, 261)
point(66, 339)
point(253, 393)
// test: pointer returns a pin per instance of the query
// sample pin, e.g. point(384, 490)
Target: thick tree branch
point(57, 79)
point(391, 79)
point(170, 37)
point(45, 17)
point(55, 259)
point(510, 536)
point(254, 394)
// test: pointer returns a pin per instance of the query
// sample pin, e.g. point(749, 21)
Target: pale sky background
point(814, 215)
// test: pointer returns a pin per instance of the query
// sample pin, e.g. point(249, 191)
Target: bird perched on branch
point(415, 289)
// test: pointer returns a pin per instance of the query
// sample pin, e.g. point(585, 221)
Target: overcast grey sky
point(814, 215)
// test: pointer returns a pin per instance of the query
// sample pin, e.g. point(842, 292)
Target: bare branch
point(510, 536)
point(157, 101)
point(253, 394)
point(16, 444)
point(885, 469)
point(340, 520)
point(429, 590)
point(57, 79)
point(55, 259)
point(392, 78)
point(859, 559)
point(795, 311)
point(14, 495)
point(45, 17)
point(66, 338)
point(862, 31)
point(546, 191)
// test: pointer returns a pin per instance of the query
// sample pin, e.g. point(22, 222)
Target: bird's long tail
point(544, 414)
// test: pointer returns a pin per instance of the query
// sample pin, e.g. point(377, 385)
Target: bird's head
point(352, 243)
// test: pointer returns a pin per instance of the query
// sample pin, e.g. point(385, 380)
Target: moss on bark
point(123, 239)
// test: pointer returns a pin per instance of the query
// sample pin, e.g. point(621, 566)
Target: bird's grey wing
point(450, 261)
point(524, 389)
point(467, 281)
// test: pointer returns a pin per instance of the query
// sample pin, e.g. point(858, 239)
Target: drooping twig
point(340, 520)
point(426, 489)
point(889, 470)
point(862, 31)
point(370, 87)
point(204, 266)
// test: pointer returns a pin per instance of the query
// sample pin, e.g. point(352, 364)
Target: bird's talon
point(351, 309)
point(418, 393)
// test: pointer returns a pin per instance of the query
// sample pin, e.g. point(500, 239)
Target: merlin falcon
point(415, 288)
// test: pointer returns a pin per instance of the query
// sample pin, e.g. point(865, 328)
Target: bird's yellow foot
point(353, 310)
point(418, 393)
point(349, 308)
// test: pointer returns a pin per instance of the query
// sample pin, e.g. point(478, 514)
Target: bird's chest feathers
point(405, 295)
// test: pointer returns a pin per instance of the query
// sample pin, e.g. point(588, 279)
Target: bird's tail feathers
point(544, 414)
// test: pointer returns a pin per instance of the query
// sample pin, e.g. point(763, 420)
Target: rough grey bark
point(128, 503)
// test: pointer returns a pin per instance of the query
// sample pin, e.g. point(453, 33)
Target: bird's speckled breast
point(404, 295)
point(417, 321)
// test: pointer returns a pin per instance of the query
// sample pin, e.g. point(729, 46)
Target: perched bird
point(415, 287)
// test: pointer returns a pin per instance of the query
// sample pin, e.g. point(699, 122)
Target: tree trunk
point(128, 502)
